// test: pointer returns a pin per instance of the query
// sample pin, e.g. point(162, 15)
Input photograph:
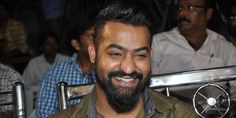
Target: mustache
point(181, 19)
point(120, 73)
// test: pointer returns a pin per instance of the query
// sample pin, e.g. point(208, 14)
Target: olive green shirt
point(156, 105)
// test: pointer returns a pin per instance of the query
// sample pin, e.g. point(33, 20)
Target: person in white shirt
point(38, 65)
point(191, 45)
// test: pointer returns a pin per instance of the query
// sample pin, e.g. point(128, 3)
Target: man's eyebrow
point(121, 48)
point(115, 46)
point(142, 48)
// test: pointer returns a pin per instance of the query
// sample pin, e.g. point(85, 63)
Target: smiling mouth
point(124, 79)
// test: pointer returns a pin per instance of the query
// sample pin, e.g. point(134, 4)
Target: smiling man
point(121, 54)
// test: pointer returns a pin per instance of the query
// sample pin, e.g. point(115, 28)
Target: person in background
point(76, 70)
point(122, 65)
point(33, 73)
point(48, 44)
point(191, 45)
point(12, 35)
point(8, 77)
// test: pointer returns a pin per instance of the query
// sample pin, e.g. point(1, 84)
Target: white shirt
point(37, 67)
point(172, 53)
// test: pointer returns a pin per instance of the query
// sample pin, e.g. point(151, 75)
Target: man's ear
point(92, 52)
point(209, 13)
point(75, 44)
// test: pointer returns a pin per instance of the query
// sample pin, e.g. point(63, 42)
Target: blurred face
point(232, 22)
point(122, 63)
point(192, 15)
point(50, 47)
point(84, 41)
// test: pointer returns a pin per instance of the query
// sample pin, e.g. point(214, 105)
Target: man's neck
point(84, 64)
point(105, 109)
point(195, 39)
point(50, 58)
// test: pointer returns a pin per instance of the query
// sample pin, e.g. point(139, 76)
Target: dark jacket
point(156, 105)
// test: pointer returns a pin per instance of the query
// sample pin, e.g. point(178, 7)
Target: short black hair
point(125, 11)
point(44, 35)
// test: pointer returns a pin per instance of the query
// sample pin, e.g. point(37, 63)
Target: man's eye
point(190, 7)
point(141, 56)
point(115, 54)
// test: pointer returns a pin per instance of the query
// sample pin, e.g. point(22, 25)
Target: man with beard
point(191, 45)
point(122, 65)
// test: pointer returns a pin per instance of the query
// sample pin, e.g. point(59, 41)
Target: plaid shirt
point(8, 77)
point(67, 71)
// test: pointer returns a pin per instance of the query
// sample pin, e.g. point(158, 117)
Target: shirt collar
point(74, 58)
point(211, 36)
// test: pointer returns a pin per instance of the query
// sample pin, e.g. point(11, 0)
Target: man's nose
point(128, 64)
point(183, 12)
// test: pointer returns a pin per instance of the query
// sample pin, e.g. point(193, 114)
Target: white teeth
point(125, 80)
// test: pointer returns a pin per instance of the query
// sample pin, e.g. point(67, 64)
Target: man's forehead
point(124, 34)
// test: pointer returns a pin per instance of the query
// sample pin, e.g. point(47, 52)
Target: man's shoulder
point(159, 97)
point(218, 39)
point(4, 69)
point(36, 59)
point(61, 65)
point(79, 110)
point(67, 113)
point(165, 102)
point(62, 57)
point(166, 34)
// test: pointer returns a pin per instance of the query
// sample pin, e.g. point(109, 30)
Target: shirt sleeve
point(47, 100)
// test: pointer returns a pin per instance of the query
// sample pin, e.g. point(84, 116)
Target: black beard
point(122, 99)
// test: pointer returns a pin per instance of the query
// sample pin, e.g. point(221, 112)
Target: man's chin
point(183, 27)
point(125, 90)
